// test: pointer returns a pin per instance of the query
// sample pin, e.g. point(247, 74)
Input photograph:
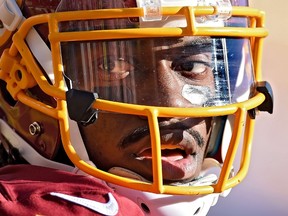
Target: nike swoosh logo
point(110, 208)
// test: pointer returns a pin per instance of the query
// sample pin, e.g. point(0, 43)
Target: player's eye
point(111, 69)
point(191, 68)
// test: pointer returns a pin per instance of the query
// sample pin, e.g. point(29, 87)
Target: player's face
point(161, 72)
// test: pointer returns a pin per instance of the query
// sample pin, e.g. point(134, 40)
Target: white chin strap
point(78, 144)
point(171, 205)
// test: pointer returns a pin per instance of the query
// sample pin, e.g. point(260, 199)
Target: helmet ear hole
point(145, 208)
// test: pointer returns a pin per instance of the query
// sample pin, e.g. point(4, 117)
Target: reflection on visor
point(186, 72)
point(198, 95)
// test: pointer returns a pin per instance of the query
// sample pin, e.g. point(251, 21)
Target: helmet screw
point(34, 128)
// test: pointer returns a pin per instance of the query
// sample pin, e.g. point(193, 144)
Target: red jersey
point(34, 190)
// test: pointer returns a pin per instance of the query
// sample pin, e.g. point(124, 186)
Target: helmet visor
point(176, 72)
point(195, 71)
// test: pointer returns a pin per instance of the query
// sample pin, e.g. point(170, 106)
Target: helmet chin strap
point(78, 144)
point(165, 204)
point(204, 178)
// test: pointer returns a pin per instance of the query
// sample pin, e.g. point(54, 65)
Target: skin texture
point(155, 76)
point(107, 150)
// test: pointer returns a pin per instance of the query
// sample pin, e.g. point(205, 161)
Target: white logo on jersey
point(110, 208)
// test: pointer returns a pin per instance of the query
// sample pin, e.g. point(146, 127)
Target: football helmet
point(68, 65)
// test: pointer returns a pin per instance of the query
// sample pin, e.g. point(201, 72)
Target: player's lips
point(178, 150)
point(178, 158)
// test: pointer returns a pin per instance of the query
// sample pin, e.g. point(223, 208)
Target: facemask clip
point(151, 9)
point(79, 105)
point(267, 106)
point(265, 88)
point(223, 10)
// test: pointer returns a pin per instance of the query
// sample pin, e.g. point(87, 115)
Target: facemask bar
point(57, 90)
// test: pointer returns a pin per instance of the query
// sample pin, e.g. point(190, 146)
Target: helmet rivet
point(34, 128)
